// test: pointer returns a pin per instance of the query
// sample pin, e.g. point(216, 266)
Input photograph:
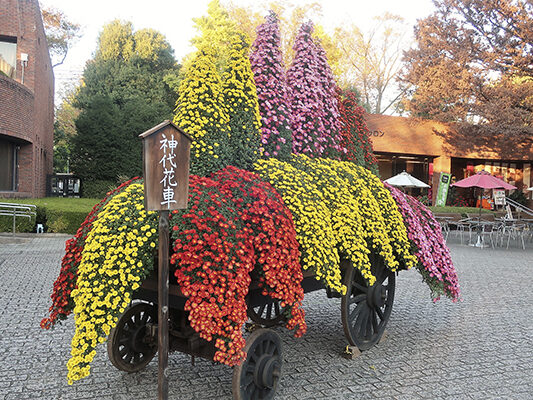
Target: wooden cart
point(365, 312)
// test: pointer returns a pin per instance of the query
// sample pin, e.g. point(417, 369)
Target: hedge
point(59, 215)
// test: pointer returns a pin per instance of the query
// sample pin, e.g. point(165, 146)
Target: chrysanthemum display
point(240, 100)
point(339, 210)
point(118, 255)
point(236, 222)
point(269, 75)
point(435, 263)
point(201, 113)
point(295, 212)
point(62, 302)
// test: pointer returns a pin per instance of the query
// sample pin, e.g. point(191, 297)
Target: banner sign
point(442, 192)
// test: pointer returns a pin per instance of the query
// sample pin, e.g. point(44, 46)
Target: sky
point(173, 18)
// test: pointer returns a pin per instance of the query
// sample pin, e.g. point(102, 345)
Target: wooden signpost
point(166, 154)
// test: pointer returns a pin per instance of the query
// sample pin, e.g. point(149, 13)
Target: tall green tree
point(133, 71)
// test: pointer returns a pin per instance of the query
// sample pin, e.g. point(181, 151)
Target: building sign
point(499, 197)
point(166, 154)
point(442, 191)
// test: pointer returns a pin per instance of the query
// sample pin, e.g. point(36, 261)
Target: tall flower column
point(240, 100)
point(200, 113)
point(269, 76)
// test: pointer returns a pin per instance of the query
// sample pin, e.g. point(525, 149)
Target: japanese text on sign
point(169, 169)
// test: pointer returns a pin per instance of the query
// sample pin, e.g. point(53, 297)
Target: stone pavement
point(480, 348)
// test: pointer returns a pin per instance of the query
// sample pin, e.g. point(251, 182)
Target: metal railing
point(18, 210)
point(519, 207)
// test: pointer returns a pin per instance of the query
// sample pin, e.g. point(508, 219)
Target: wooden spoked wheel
point(258, 376)
point(129, 346)
point(366, 309)
point(267, 315)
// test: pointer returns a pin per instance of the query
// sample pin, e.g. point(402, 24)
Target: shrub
point(96, 189)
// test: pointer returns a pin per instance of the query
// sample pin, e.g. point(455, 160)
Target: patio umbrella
point(406, 180)
point(483, 180)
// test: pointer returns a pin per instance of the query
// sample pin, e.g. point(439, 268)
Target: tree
point(371, 61)
point(201, 113)
point(240, 99)
point(61, 33)
point(128, 71)
point(215, 30)
point(98, 146)
point(473, 65)
point(269, 75)
point(64, 130)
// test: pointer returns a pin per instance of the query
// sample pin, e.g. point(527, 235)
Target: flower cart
point(365, 311)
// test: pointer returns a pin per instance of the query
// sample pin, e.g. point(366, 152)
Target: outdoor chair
point(515, 231)
point(461, 225)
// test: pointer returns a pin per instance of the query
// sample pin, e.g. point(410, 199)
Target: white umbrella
point(406, 180)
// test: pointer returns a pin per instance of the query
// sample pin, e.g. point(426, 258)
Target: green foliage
point(240, 99)
point(200, 113)
point(519, 197)
point(116, 41)
point(61, 149)
point(215, 30)
point(96, 189)
point(60, 34)
point(124, 93)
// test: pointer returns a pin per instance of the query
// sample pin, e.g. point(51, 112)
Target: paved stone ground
point(480, 348)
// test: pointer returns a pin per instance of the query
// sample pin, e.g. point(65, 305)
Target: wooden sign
point(166, 155)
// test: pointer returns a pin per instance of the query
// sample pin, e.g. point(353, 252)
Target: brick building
point(26, 101)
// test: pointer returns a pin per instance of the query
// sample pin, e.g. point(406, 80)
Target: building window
point(8, 55)
point(8, 166)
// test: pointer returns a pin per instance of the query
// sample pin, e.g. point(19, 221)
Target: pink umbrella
point(483, 180)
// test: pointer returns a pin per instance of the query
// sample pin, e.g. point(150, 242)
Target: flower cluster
point(62, 302)
point(240, 101)
point(339, 210)
point(355, 136)
point(118, 255)
point(235, 223)
point(435, 264)
point(277, 258)
point(200, 113)
point(313, 133)
point(269, 76)
point(312, 219)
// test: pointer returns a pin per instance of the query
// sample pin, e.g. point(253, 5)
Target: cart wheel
point(366, 309)
point(268, 315)
point(129, 346)
point(258, 376)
